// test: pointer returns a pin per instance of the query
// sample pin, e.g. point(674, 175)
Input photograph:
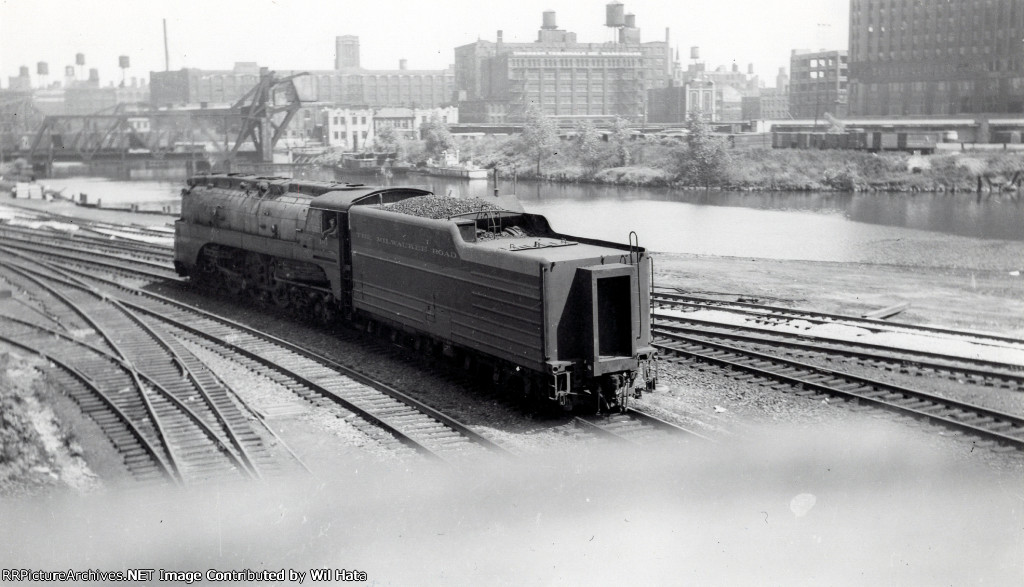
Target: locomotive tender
point(552, 317)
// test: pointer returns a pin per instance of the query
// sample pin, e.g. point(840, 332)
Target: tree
point(437, 136)
point(539, 134)
point(705, 159)
point(620, 140)
point(386, 139)
point(587, 146)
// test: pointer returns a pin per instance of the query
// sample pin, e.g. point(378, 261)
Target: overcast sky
point(299, 34)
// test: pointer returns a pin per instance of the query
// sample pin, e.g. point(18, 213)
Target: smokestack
point(500, 43)
point(694, 52)
point(735, 67)
point(167, 53)
point(750, 68)
point(402, 64)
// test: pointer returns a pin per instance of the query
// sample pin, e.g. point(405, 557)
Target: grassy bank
point(664, 164)
point(707, 163)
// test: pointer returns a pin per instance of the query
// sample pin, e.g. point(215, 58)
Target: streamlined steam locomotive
point(554, 318)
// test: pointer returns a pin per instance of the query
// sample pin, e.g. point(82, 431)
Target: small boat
point(457, 171)
point(450, 166)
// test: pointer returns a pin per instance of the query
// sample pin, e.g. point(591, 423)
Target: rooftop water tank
point(549, 20)
point(615, 14)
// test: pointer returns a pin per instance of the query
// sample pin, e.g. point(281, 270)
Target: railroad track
point(978, 372)
point(184, 414)
point(776, 315)
point(996, 429)
point(92, 242)
point(313, 378)
point(106, 229)
point(67, 251)
point(634, 427)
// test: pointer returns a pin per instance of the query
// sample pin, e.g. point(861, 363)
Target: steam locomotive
point(556, 319)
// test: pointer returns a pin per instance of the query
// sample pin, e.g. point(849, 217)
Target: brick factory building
point(936, 57)
point(569, 80)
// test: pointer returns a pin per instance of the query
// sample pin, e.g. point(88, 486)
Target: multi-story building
point(197, 86)
point(354, 129)
point(407, 121)
point(349, 85)
point(349, 128)
point(731, 87)
point(921, 57)
point(673, 105)
point(770, 104)
point(497, 81)
point(818, 84)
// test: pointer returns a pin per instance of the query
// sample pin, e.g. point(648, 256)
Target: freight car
point(556, 319)
point(923, 142)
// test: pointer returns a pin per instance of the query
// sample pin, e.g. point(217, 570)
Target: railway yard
point(132, 378)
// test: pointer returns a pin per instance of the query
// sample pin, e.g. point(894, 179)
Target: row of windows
point(352, 135)
point(922, 53)
point(942, 67)
point(338, 120)
point(575, 63)
point(954, 87)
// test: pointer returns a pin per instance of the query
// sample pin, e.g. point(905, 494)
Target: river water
point(781, 225)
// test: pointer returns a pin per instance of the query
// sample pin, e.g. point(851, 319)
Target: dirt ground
point(987, 300)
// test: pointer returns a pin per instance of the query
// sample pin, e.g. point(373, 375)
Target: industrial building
point(819, 84)
point(936, 57)
point(497, 81)
point(675, 104)
point(346, 85)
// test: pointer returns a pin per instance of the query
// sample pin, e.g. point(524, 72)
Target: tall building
point(942, 57)
point(731, 85)
point(497, 81)
point(771, 104)
point(673, 105)
point(355, 86)
point(818, 84)
point(346, 52)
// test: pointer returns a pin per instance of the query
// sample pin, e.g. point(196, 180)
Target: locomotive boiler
point(556, 319)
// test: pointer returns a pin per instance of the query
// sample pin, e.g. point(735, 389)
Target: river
point(780, 225)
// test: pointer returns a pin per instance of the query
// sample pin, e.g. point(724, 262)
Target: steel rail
point(164, 467)
point(878, 388)
point(782, 312)
point(242, 460)
point(444, 419)
point(891, 357)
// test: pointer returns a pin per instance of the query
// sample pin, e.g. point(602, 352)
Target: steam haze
point(854, 507)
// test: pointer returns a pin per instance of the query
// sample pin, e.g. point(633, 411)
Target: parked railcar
point(923, 142)
point(555, 318)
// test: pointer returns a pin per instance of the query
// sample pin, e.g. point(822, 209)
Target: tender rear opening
point(613, 316)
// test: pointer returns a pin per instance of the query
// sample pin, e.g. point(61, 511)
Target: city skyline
point(299, 34)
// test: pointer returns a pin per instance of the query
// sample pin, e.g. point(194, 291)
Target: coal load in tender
point(440, 206)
